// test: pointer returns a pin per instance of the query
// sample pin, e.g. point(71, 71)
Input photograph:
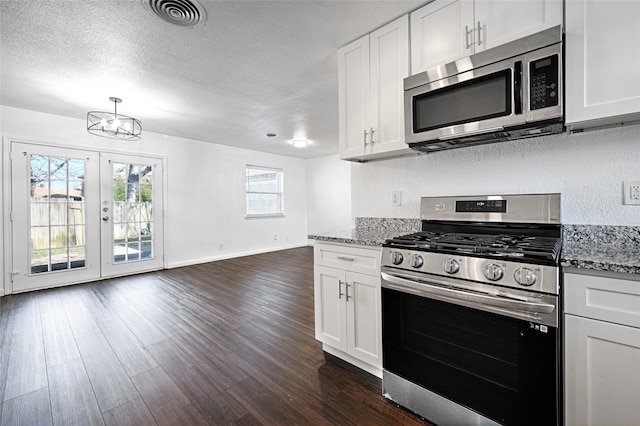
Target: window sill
point(263, 215)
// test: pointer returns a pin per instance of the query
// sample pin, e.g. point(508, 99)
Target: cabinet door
point(497, 21)
point(353, 103)
point(602, 62)
point(441, 32)
point(330, 307)
point(389, 65)
point(602, 377)
point(364, 318)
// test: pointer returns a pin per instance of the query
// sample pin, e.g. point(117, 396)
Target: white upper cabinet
point(353, 90)
point(440, 33)
point(446, 30)
point(602, 62)
point(371, 93)
point(502, 21)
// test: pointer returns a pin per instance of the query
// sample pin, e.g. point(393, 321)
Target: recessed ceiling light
point(300, 143)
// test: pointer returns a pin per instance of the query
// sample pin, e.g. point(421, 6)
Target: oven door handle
point(504, 302)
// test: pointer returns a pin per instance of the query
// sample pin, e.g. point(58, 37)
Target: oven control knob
point(396, 257)
point(416, 260)
point(525, 276)
point(451, 266)
point(493, 272)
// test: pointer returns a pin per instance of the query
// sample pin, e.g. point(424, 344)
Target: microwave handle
point(472, 133)
point(517, 87)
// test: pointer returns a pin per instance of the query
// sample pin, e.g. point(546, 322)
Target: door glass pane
point(132, 212)
point(57, 214)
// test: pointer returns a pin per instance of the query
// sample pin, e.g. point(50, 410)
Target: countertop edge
point(588, 255)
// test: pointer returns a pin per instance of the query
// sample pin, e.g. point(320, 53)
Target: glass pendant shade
point(113, 125)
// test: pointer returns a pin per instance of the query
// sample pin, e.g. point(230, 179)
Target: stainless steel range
point(471, 315)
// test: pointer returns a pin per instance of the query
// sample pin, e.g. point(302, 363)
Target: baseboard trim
point(191, 262)
point(376, 371)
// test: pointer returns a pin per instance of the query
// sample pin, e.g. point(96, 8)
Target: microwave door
point(473, 102)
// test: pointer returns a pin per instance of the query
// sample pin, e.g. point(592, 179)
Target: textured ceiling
point(254, 67)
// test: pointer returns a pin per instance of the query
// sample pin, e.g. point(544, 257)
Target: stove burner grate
point(495, 245)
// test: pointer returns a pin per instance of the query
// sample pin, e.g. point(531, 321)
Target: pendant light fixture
point(113, 125)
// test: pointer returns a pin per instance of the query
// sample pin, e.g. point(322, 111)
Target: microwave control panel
point(543, 82)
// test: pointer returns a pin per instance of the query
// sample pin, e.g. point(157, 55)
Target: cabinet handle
point(340, 282)
point(348, 259)
point(347, 294)
point(466, 36)
point(365, 137)
point(479, 34)
point(372, 132)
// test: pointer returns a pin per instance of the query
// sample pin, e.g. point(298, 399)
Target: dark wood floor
point(228, 342)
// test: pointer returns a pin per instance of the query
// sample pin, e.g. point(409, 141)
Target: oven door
point(456, 364)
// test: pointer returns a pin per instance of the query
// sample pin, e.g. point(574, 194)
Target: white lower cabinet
point(602, 350)
point(347, 304)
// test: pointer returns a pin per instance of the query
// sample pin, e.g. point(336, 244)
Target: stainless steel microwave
point(512, 91)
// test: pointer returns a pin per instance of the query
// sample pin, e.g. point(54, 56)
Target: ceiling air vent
point(184, 13)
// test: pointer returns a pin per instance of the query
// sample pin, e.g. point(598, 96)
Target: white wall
point(328, 194)
point(206, 198)
point(586, 168)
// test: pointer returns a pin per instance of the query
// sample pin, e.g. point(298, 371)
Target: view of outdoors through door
point(79, 215)
point(58, 227)
point(132, 212)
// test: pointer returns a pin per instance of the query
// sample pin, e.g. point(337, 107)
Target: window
point(264, 192)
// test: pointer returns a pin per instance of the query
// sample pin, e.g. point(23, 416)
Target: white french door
point(131, 214)
point(79, 216)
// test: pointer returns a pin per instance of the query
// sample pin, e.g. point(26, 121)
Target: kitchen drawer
point(351, 258)
point(614, 300)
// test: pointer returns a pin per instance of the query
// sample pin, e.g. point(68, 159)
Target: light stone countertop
point(603, 248)
point(370, 231)
point(589, 247)
point(603, 257)
point(354, 236)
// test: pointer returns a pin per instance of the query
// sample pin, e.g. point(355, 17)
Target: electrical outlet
point(631, 190)
point(396, 198)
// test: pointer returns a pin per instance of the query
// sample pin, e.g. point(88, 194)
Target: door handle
point(340, 289)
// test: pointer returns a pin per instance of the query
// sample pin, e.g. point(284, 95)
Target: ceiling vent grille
point(184, 13)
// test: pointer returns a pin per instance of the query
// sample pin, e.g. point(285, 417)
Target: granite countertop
point(592, 247)
point(354, 236)
point(602, 257)
point(370, 231)
point(602, 248)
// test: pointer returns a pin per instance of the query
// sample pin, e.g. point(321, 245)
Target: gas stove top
point(515, 247)
point(510, 241)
